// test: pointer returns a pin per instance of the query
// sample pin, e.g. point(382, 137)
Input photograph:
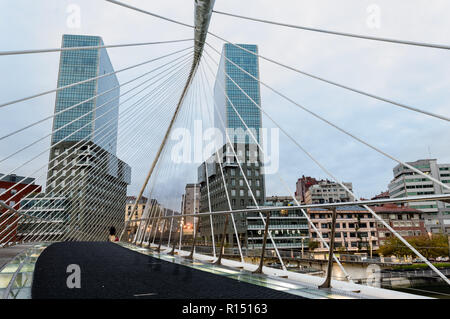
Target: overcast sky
point(416, 76)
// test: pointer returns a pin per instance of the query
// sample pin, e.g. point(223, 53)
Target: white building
point(408, 183)
point(328, 192)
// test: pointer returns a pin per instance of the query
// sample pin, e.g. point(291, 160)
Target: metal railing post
point(194, 240)
point(259, 270)
point(327, 283)
point(222, 242)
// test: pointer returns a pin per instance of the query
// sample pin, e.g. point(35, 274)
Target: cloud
point(416, 76)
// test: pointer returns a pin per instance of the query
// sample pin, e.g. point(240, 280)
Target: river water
point(434, 291)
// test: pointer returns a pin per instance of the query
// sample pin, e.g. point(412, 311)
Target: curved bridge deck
point(108, 270)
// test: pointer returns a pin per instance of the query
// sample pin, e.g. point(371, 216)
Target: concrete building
point(279, 200)
point(238, 192)
point(302, 185)
point(356, 229)
point(228, 96)
point(131, 200)
point(191, 205)
point(139, 211)
point(408, 183)
point(83, 165)
point(12, 195)
point(406, 221)
point(326, 191)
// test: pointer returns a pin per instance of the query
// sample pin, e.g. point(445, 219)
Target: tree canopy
point(433, 247)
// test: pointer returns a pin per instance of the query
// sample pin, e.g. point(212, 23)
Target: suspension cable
point(421, 44)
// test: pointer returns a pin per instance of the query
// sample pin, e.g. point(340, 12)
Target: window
point(241, 192)
point(241, 182)
point(233, 192)
point(258, 193)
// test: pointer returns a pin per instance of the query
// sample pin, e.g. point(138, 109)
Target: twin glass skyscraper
point(83, 168)
point(234, 90)
point(98, 114)
point(227, 93)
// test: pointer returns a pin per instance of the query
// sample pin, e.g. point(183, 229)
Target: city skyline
point(369, 172)
point(211, 149)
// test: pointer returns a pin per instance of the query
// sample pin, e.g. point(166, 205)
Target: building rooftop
point(394, 208)
point(341, 208)
point(13, 178)
point(132, 199)
point(381, 195)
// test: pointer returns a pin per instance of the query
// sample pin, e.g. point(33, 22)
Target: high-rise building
point(83, 165)
point(238, 192)
point(228, 94)
point(408, 183)
point(99, 119)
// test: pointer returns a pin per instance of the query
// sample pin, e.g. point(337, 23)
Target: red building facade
point(12, 194)
point(302, 185)
point(407, 221)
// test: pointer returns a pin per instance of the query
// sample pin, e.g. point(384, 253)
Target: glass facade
point(225, 87)
point(76, 66)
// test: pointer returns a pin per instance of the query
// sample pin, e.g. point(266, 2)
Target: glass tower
point(84, 171)
point(101, 114)
point(227, 93)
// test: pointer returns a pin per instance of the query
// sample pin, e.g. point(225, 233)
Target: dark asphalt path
point(113, 272)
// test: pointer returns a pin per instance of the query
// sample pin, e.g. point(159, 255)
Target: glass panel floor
point(288, 286)
point(17, 275)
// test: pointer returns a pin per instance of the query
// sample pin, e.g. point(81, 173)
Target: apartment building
point(408, 183)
